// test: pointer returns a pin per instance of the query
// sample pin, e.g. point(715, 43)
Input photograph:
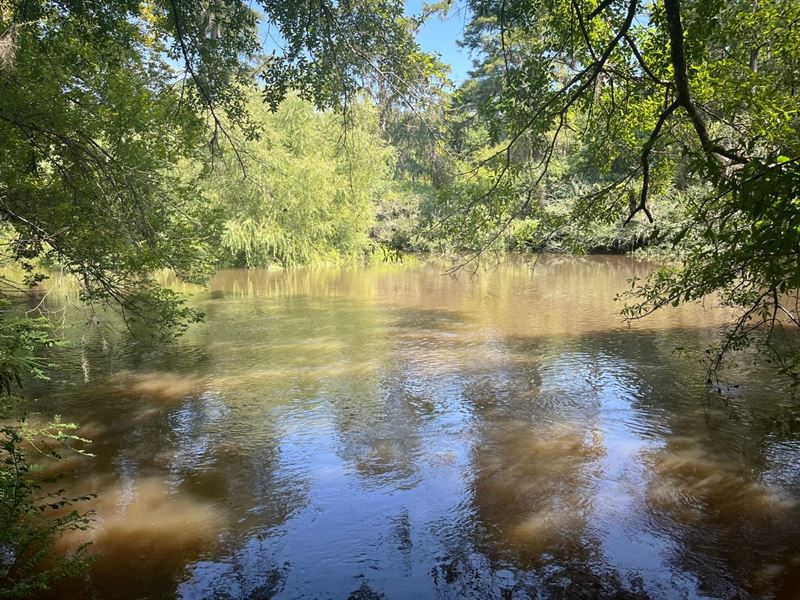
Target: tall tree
point(309, 195)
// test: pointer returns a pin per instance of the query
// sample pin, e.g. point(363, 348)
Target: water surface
point(392, 432)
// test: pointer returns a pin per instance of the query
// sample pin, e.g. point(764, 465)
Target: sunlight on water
point(160, 386)
point(353, 432)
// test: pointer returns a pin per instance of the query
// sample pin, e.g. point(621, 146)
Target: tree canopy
point(101, 103)
point(688, 105)
point(307, 194)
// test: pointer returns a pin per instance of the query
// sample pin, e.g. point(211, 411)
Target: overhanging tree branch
point(684, 97)
point(645, 162)
point(187, 60)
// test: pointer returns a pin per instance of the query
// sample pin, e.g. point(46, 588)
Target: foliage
point(334, 50)
point(19, 338)
point(675, 120)
point(33, 514)
point(747, 254)
point(90, 128)
point(101, 104)
point(403, 211)
point(307, 192)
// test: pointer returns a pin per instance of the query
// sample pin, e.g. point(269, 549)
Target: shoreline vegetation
point(139, 138)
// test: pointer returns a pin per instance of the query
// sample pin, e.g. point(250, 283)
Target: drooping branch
point(684, 97)
point(571, 90)
point(560, 102)
point(645, 162)
point(204, 93)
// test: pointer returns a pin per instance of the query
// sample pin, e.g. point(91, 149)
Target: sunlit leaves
point(309, 190)
point(719, 164)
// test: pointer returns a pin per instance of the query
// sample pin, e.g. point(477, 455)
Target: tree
point(309, 195)
point(100, 105)
point(663, 95)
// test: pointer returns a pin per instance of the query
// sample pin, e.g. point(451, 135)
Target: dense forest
point(143, 137)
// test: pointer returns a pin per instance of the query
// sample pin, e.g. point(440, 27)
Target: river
point(393, 432)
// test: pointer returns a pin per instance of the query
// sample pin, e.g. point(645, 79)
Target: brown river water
point(390, 432)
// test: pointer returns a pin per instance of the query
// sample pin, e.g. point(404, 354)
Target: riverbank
point(389, 430)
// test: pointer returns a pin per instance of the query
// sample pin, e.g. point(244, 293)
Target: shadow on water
point(395, 433)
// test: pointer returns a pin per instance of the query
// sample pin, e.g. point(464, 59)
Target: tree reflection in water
point(389, 432)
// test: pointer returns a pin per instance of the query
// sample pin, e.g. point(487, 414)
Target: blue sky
point(439, 35)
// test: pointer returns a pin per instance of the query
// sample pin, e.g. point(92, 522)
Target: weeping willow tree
point(304, 192)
